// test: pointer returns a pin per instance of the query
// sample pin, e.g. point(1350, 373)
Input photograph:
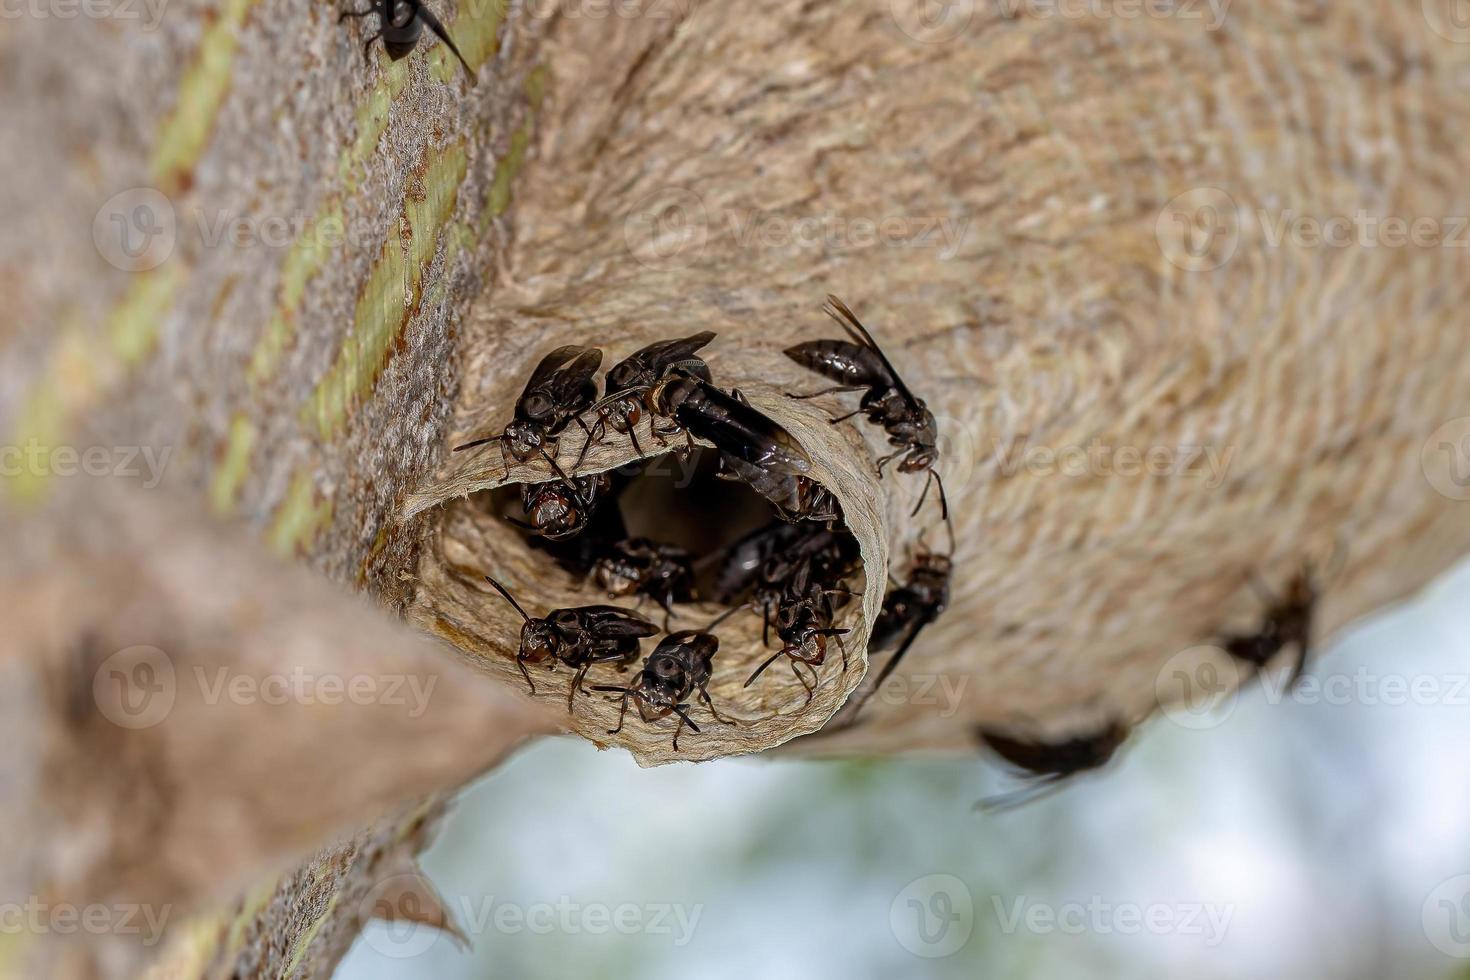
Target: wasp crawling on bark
point(578, 637)
point(562, 387)
point(401, 25)
point(859, 364)
point(630, 384)
point(1049, 764)
point(680, 665)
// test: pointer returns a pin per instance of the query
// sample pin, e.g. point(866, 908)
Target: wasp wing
point(608, 622)
point(669, 355)
point(564, 376)
point(838, 311)
point(740, 430)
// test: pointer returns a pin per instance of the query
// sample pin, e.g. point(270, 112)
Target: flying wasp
point(562, 387)
point(578, 637)
point(1050, 764)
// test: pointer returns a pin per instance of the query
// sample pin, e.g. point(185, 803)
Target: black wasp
point(562, 387)
point(795, 497)
point(578, 637)
point(640, 566)
point(753, 447)
point(907, 609)
point(1286, 622)
point(860, 365)
point(804, 624)
point(1049, 764)
point(562, 508)
point(400, 25)
point(775, 565)
point(680, 665)
point(630, 384)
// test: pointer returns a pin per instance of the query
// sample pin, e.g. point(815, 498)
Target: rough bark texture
point(617, 178)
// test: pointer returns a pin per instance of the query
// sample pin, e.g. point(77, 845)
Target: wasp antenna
point(508, 598)
point(769, 660)
point(471, 445)
point(724, 616)
point(428, 18)
point(943, 498)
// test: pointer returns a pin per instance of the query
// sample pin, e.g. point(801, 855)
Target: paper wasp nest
point(471, 541)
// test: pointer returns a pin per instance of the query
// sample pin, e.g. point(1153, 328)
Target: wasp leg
point(684, 719)
point(811, 689)
point(704, 696)
point(576, 684)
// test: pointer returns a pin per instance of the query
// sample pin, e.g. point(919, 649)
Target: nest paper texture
point(1290, 388)
point(469, 542)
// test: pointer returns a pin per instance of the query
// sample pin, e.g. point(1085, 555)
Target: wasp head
point(522, 439)
point(539, 641)
point(616, 575)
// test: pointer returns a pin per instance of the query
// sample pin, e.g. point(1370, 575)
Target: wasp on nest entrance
point(572, 545)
